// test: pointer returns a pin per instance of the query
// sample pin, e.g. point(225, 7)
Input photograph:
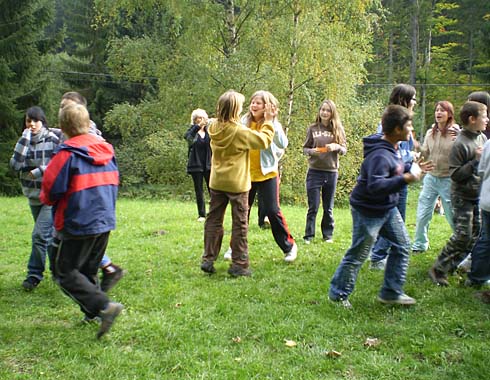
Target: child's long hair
point(267, 98)
point(229, 107)
point(448, 107)
point(402, 94)
point(337, 128)
point(37, 114)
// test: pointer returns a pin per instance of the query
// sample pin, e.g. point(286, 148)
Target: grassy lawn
point(182, 324)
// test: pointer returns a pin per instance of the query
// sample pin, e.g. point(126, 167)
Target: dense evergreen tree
point(23, 43)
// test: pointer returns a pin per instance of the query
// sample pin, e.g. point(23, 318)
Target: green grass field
point(179, 323)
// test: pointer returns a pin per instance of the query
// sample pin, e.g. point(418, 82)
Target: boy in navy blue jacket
point(81, 182)
point(374, 210)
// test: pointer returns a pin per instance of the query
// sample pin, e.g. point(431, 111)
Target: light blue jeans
point(365, 230)
point(41, 238)
point(432, 188)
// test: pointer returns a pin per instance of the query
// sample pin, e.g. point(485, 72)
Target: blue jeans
point(319, 181)
point(432, 188)
point(480, 255)
point(41, 238)
point(365, 230)
point(382, 246)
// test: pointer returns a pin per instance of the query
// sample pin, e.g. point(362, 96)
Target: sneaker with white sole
point(377, 265)
point(292, 254)
point(402, 299)
point(228, 254)
point(344, 302)
point(465, 265)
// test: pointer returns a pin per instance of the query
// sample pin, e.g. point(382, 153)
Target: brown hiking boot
point(438, 277)
point(108, 316)
point(208, 267)
point(237, 271)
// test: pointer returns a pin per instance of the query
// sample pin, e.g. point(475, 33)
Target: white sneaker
point(228, 254)
point(201, 219)
point(292, 254)
point(465, 265)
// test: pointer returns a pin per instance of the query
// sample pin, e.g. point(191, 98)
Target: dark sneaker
point(30, 283)
point(438, 277)
point(237, 271)
point(108, 316)
point(402, 299)
point(483, 296)
point(208, 267)
point(89, 320)
point(110, 279)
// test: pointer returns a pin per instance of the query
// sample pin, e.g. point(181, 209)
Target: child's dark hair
point(402, 94)
point(37, 114)
point(471, 108)
point(395, 116)
point(76, 97)
point(481, 97)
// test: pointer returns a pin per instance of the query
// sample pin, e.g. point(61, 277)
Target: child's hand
point(478, 152)
point(426, 166)
point(270, 112)
point(26, 133)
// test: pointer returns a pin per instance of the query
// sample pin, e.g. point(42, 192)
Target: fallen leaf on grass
point(333, 354)
point(372, 342)
point(290, 343)
point(178, 304)
point(237, 339)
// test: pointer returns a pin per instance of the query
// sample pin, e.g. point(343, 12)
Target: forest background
point(145, 65)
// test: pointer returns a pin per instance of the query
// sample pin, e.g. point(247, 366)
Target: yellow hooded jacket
point(230, 144)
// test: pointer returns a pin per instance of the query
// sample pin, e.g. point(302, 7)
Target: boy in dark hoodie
point(81, 183)
point(374, 210)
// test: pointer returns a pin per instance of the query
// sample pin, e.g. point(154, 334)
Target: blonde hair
point(337, 128)
point(198, 112)
point(74, 120)
point(229, 106)
point(267, 98)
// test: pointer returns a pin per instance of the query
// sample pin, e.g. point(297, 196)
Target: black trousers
point(76, 265)
point(198, 178)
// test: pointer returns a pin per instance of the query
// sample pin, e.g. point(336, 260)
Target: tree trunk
point(414, 41)
point(293, 60)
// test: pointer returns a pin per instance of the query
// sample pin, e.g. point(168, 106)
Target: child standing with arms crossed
point(465, 191)
point(230, 180)
point(81, 184)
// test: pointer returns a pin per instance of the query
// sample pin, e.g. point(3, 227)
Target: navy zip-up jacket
point(381, 178)
point(81, 182)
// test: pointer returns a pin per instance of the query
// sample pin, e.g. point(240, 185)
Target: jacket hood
point(222, 134)
point(375, 142)
point(90, 148)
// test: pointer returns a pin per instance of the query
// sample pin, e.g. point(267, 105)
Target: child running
point(374, 211)
point(230, 182)
point(81, 184)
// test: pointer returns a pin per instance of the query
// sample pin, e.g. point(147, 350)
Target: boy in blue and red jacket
point(81, 183)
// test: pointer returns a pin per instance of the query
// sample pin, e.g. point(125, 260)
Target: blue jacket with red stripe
point(81, 182)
